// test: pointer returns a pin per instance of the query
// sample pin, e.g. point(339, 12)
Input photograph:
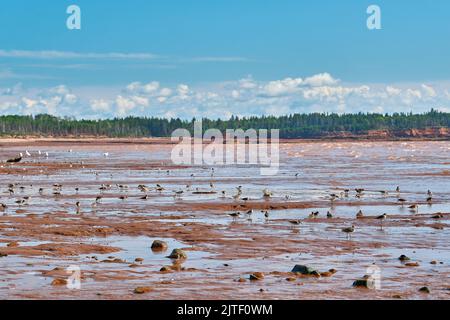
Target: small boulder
point(424, 290)
point(13, 244)
point(365, 282)
point(159, 245)
point(291, 279)
point(178, 254)
point(142, 290)
point(298, 268)
point(328, 273)
point(59, 282)
point(165, 269)
point(257, 276)
point(3, 255)
point(412, 264)
point(403, 258)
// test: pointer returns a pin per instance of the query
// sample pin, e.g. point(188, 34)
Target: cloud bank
point(244, 97)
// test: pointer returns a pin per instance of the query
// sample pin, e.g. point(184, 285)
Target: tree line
point(312, 125)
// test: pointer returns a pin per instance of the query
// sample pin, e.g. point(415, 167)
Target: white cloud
point(100, 105)
point(429, 91)
point(393, 91)
point(281, 87)
point(321, 79)
point(124, 106)
point(49, 54)
point(244, 97)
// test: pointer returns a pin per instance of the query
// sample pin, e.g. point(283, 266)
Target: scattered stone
point(298, 268)
point(424, 290)
point(165, 269)
point(3, 255)
point(412, 264)
point(328, 273)
point(177, 254)
point(366, 282)
point(142, 290)
point(134, 265)
point(115, 260)
point(13, 244)
point(397, 296)
point(403, 258)
point(433, 262)
point(159, 245)
point(291, 279)
point(138, 260)
point(242, 280)
point(257, 276)
point(59, 282)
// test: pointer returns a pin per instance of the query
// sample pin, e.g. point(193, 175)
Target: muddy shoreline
point(110, 239)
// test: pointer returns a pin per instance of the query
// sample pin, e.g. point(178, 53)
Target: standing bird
point(314, 214)
point(359, 214)
point(349, 231)
point(234, 215)
point(329, 215)
point(267, 193)
point(382, 218)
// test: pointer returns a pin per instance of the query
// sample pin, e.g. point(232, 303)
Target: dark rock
point(159, 245)
point(298, 268)
point(403, 258)
point(424, 290)
point(365, 282)
point(165, 269)
point(178, 254)
point(257, 276)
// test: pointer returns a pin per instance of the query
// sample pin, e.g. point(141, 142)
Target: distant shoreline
point(167, 140)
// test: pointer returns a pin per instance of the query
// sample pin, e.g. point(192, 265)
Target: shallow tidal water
point(46, 234)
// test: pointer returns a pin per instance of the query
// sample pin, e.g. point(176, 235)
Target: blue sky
point(217, 58)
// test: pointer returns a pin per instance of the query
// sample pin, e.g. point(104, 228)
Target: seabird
point(314, 214)
point(234, 214)
point(359, 214)
point(382, 218)
point(349, 230)
point(267, 193)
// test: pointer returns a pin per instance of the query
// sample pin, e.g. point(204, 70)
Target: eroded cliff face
point(428, 133)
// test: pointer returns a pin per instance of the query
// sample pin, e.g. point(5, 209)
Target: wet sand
point(110, 241)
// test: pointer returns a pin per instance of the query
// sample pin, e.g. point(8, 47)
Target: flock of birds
point(266, 194)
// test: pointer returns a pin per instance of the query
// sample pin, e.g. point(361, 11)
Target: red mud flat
point(110, 240)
